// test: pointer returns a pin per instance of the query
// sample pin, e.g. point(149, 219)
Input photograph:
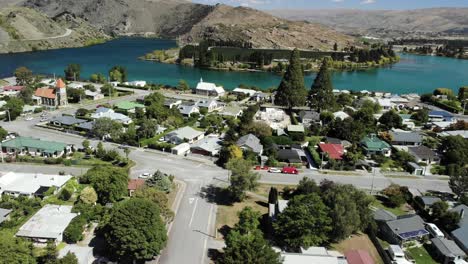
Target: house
point(35, 147)
point(334, 151)
point(4, 214)
point(184, 134)
point(129, 107)
point(211, 105)
point(232, 110)
point(188, 109)
point(309, 117)
point(275, 118)
point(373, 145)
point(13, 88)
point(93, 95)
point(87, 127)
point(447, 251)
point(171, 103)
point(136, 83)
point(358, 257)
point(460, 235)
point(340, 115)
point(415, 169)
point(315, 255)
point(103, 112)
point(405, 138)
point(405, 228)
point(426, 202)
point(209, 89)
point(386, 104)
point(291, 155)
point(296, 129)
point(251, 143)
point(181, 149)
point(423, 154)
point(462, 133)
point(208, 146)
point(52, 97)
point(438, 116)
point(248, 92)
point(75, 85)
point(133, 185)
point(30, 184)
point(48, 224)
point(382, 216)
point(66, 121)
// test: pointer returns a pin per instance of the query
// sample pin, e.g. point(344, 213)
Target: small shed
point(181, 149)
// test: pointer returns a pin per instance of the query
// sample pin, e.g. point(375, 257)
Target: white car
point(145, 175)
point(274, 170)
point(29, 118)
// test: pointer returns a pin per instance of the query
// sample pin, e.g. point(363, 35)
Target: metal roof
point(447, 247)
point(29, 142)
point(252, 142)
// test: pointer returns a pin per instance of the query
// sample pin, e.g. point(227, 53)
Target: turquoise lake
point(413, 74)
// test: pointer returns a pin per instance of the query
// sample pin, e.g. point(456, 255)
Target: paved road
point(193, 225)
point(45, 169)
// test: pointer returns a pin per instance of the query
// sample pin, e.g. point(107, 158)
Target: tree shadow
point(262, 204)
point(217, 195)
point(214, 254)
point(224, 230)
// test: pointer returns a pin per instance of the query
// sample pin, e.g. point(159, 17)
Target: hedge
point(74, 231)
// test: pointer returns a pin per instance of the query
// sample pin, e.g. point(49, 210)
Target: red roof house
point(134, 184)
point(358, 257)
point(17, 88)
point(59, 84)
point(334, 151)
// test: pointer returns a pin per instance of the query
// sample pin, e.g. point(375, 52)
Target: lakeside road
point(194, 224)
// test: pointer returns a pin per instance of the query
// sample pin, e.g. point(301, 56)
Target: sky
point(328, 4)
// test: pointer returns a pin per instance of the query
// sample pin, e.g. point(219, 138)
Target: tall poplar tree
point(321, 94)
point(291, 91)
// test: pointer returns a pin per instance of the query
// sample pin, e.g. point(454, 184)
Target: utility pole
point(373, 176)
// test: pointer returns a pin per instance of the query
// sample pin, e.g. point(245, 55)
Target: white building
point(184, 134)
point(340, 115)
point(181, 149)
point(102, 112)
point(209, 89)
point(275, 118)
point(136, 83)
point(211, 105)
point(248, 92)
point(48, 224)
point(29, 184)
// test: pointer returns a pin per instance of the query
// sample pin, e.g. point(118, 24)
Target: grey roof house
point(405, 138)
point(48, 223)
point(460, 235)
point(184, 134)
point(66, 121)
point(250, 142)
point(425, 202)
point(403, 229)
point(309, 117)
point(208, 146)
point(4, 213)
point(446, 250)
point(424, 154)
point(382, 215)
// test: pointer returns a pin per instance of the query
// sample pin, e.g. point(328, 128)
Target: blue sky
point(326, 4)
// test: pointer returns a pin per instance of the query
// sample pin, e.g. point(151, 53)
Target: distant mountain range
point(188, 22)
point(431, 22)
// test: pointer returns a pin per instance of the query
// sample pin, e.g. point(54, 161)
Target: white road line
point(193, 212)
point(205, 253)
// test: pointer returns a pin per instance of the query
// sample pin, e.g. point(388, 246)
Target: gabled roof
point(45, 92)
point(29, 142)
point(422, 152)
point(440, 113)
point(4, 214)
point(447, 247)
point(374, 143)
point(404, 136)
point(185, 133)
point(358, 257)
point(13, 88)
point(209, 144)
point(252, 142)
point(461, 234)
point(384, 215)
point(209, 87)
point(334, 151)
point(430, 200)
point(67, 120)
point(188, 109)
point(408, 226)
point(60, 84)
point(296, 128)
point(289, 155)
point(463, 210)
point(134, 184)
point(312, 115)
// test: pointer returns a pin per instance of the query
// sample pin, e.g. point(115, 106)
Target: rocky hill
point(387, 23)
point(25, 29)
point(191, 22)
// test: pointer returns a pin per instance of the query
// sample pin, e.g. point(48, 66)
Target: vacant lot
point(358, 241)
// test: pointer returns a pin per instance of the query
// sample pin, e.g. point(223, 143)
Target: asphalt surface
point(194, 223)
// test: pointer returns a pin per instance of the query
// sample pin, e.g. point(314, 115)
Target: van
point(434, 230)
point(289, 170)
point(396, 252)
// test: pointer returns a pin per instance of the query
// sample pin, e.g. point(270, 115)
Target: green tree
point(23, 76)
point(147, 128)
point(449, 221)
point(183, 85)
point(390, 120)
point(306, 186)
point(88, 195)
point(3, 133)
point(26, 94)
point(97, 78)
point(463, 93)
point(158, 197)
point(72, 72)
point(110, 183)
point(14, 106)
point(304, 223)
point(135, 230)
point(74, 231)
point(421, 115)
point(245, 243)
point(15, 250)
point(439, 209)
point(395, 194)
point(230, 152)
point(100, 151)
point(291, 91)
point(108, 90)
point(273, 195)
point(106, 126)
point(85, 144)
point(321, 94)
point(118, 74)
point(127, 152)
point(69, 258)
point(160, 181)
point(242, 178)
point(75, 95)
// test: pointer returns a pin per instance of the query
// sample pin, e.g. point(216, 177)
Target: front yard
point(420, 255)
point(356, 242)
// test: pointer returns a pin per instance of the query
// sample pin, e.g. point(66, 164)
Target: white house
point(341, 115)
point(93, 95)
point(248, 92)
point(188, 110)
point(102, 112)
point(136, 83)
point(30, 184)
point(184, 134)
point(209, 89)
point(211, 105)
point(275, 118)
point(181, 149)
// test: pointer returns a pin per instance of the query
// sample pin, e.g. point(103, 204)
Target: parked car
point(145, 175)
point(289, 170)
point(123, 146)
point(43, 119)
point(274, 170)
point(29, 118)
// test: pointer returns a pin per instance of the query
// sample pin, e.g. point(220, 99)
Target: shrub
point(74, 231)
point(65, 194)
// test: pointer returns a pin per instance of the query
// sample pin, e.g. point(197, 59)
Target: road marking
point(193, 212)
point(190, 200)
point(205, 245)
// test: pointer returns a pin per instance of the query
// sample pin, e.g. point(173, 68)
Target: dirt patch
point(358, 241)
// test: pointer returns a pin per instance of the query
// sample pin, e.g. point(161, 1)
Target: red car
point(289, 170)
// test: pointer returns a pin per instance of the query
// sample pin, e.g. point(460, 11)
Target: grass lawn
point(358, 241)
point(420, 255)
point(172, 195)
point(264, 189)
point(226, 216)
point(396, 211)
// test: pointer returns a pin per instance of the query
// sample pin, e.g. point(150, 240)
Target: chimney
point(462, 213)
